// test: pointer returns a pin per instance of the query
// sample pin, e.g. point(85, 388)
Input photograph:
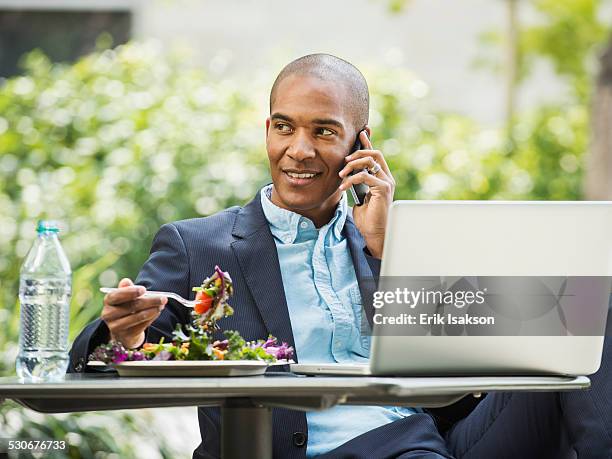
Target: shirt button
point(299, 439)
point(303, 225)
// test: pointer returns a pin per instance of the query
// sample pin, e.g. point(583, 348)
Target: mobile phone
point(360, 190)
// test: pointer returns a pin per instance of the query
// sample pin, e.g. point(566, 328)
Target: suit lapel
point(255, 250)
point(365, 278)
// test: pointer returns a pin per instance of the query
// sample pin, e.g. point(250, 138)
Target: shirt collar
point(285, 224)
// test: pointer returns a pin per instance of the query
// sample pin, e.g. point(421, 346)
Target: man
point(298, 256)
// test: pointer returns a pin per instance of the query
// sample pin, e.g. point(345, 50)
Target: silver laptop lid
point(457, 239)
point(498, 238)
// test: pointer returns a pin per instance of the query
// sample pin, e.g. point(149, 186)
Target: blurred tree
point(512, 62)
point(599, 172)
point(547, 145)
point(127, 434)
point(571, 35)
point(568, 35)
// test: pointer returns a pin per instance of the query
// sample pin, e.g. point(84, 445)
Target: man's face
point(308, 135)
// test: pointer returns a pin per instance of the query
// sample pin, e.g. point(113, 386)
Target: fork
point(150, 293)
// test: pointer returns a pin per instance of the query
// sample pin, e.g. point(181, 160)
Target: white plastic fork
point(150, 293)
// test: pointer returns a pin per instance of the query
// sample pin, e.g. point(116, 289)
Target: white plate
point(190, 367)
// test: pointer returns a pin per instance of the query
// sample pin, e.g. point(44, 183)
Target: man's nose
point(301, 148)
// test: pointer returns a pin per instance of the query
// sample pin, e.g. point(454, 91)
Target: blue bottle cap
point(47, 226)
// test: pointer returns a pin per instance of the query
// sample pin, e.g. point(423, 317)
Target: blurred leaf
point(397, 6)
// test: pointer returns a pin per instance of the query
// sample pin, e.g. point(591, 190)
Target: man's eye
point(325, 132)
point(283, 127)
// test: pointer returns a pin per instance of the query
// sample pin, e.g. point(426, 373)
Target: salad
point(212, 298)
point(195, 341)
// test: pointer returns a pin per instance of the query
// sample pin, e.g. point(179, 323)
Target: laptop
point(563, 249)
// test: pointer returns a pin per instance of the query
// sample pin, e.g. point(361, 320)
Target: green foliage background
point(127, 139)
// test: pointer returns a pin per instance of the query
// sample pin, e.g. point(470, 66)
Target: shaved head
point(331, 68)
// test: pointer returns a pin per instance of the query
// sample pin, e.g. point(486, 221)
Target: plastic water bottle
point(45, 285)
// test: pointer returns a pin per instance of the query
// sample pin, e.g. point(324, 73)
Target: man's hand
point(371, 217)
point(127, 315)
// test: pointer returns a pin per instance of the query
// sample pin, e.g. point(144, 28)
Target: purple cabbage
point(137, 355)
point(118, 353)
point(114, 352)
point(280, 352)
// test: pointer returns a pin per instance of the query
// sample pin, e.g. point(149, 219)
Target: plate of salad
point(192, 350)
point(174, 368)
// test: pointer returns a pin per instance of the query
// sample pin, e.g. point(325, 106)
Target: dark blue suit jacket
point(239, 240)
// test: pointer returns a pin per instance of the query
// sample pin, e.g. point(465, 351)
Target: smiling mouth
point(301, 178)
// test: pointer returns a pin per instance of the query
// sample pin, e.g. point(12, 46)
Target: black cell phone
point(360, 190)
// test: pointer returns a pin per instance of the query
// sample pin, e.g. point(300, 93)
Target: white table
point(246, 402)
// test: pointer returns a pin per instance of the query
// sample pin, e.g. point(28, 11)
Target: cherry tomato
point(203, 304)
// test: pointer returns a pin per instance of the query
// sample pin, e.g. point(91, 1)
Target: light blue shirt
point(326, 314)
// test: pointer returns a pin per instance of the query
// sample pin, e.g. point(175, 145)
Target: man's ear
point(267, 127)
